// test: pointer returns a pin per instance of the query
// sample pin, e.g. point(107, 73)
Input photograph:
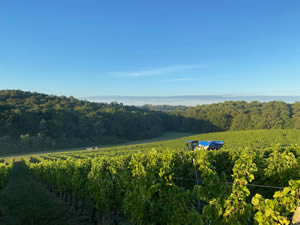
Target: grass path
point(166, 136)
point(24, 201)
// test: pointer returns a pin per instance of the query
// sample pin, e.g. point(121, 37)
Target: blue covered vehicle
point(207, 145)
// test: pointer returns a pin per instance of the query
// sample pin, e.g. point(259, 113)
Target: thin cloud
point(158, 71)
point(180, 79)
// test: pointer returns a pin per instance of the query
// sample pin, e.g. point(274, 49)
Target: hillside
point(255, 175)
point(234, 140)
point(31, 121)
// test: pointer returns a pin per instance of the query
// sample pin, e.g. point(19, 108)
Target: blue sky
point(151, 48)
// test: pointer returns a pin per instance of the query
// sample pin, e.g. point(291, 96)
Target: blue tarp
point(208, 143)
point(205, 143)
point(192, 144)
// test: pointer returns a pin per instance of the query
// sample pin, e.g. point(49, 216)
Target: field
point(254, 179)
point(164, 137)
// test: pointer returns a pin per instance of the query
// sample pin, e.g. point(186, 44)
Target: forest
point(31, 121)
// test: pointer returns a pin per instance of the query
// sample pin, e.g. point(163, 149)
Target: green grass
point(256, 139)
point(175, 140)
point(164, 137)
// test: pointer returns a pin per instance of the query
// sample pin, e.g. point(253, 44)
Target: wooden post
point(93, 216)
point(296, 217)
point(82, 207)
point(197, 182)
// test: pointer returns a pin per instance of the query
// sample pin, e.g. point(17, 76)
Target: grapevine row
point(5, 170)
point(143, 186)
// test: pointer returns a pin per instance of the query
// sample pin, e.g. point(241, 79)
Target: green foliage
point(5, 170)
point(241, 115)
point(280, 209)
point(82, 168)
point(281, 167)
point(237, 209)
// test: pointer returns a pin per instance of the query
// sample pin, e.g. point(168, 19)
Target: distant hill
point(33, 121)
point(163, 108)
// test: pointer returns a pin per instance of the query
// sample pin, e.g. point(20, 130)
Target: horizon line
point(164, 96)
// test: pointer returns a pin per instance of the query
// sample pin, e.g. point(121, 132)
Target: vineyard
point(5, 169)
point(255, 179)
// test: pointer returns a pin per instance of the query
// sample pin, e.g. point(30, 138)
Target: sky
point(151, 48)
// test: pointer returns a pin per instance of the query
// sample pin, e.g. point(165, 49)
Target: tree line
point(30, 121)
point(239, 115)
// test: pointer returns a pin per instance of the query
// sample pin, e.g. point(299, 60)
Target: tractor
point(206, 145)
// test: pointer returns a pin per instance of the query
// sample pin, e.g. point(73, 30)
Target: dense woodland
point(31, 121)
point(164, 108)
